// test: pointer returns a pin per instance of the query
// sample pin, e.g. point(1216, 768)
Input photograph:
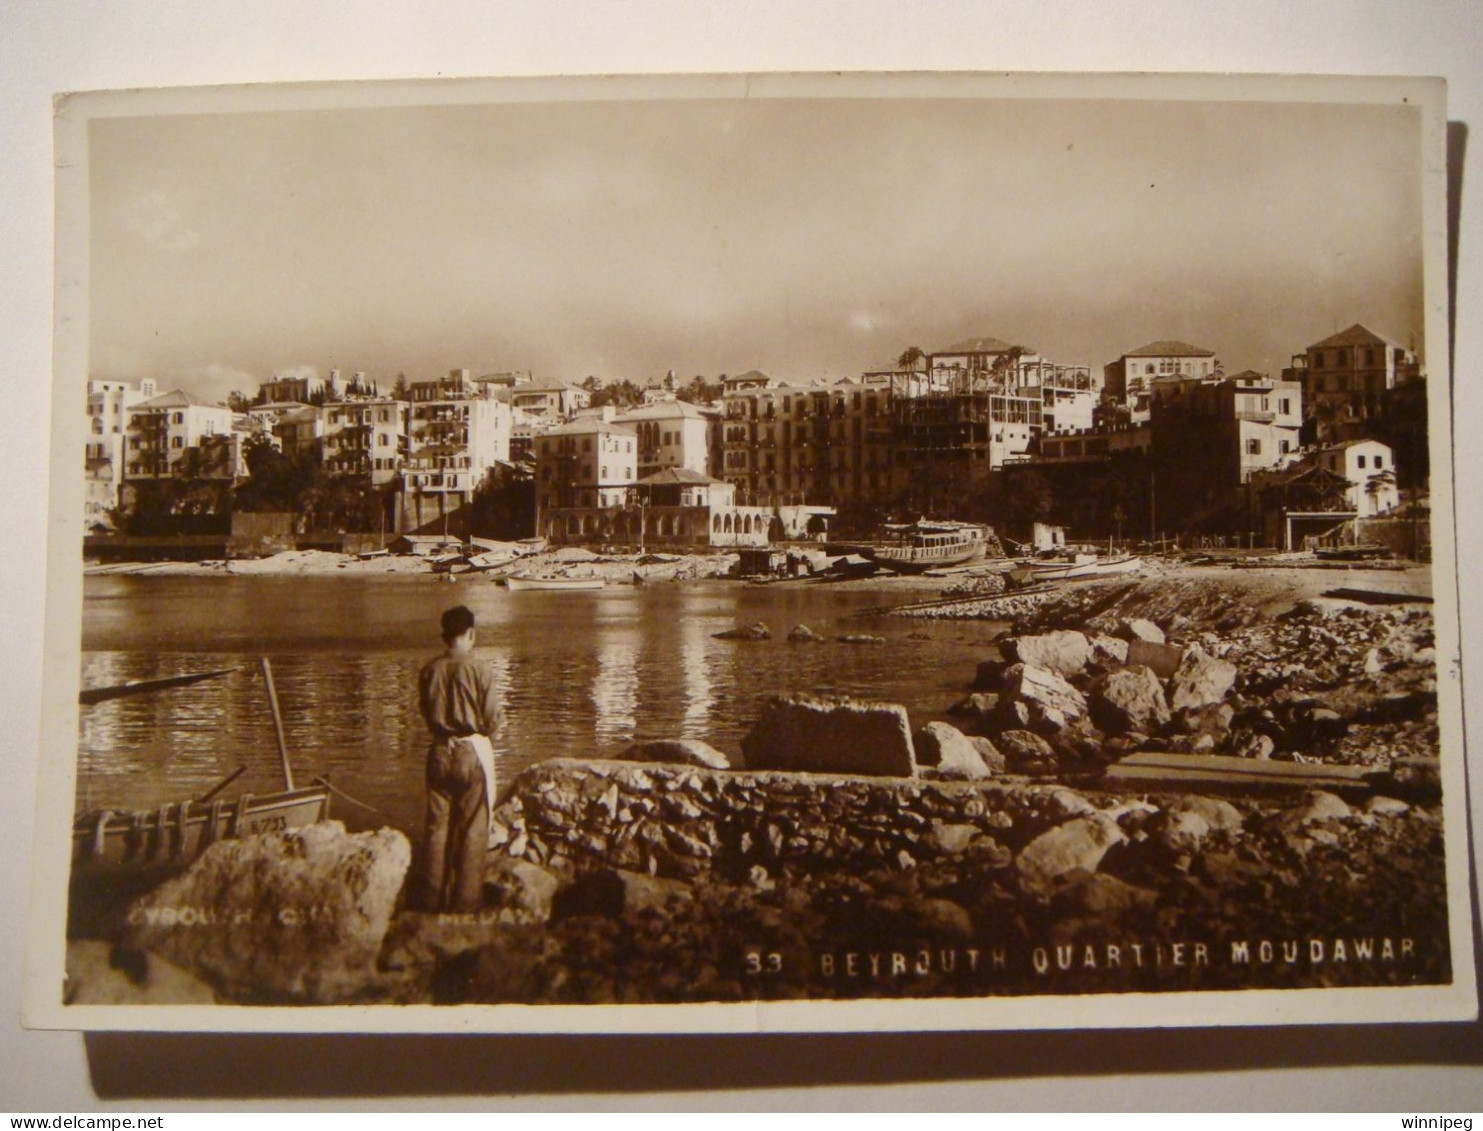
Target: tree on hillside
point(699, 391)
point(619, 394)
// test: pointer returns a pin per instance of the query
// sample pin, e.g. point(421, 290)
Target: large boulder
point(1162, 658)
point(523, 889)
point(1077, 845)
point(802, 634)
point(1130, 699)
point(1137, 628)
point(1108, 651)
point(831, 735)
point(1218, 814)
point(1039, 699)
point(296, 916)
point(1316, 805)
point(100, 973)
point(1025, 752)
point(1200, 679)
point(1064, 651)
point(951, 753)
point(678, 751)
point(975, 706)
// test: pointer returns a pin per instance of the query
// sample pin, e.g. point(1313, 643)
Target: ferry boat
point(916, 547)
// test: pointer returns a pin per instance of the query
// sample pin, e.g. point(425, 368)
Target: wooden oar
point(139, 686)
point(288, 774)
point(221, 785)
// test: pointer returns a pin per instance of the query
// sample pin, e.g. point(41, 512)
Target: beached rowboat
point(167, 839)
point(524, 581)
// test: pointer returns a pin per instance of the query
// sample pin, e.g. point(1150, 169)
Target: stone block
point(816, 734)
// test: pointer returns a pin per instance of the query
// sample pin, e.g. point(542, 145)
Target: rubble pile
point(683, 885)
point(1324, 681)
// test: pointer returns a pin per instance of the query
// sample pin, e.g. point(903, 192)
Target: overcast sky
point(808, 238)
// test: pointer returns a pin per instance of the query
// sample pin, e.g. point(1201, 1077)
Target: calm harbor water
point(583, 674)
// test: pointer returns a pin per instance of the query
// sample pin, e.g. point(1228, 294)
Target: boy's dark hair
point(457, 621)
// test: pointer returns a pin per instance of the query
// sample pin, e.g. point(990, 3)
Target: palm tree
point(909, 358)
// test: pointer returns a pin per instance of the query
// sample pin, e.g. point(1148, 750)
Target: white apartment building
point(586, 463)
point(108, 407)
point(365, 438)
point(456, 432)
point(161, 430)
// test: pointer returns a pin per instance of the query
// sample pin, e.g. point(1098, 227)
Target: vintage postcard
point(738, 553)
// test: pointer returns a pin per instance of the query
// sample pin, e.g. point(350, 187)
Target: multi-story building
point(585, 463)
point(1128, 381)
point(163, 429)
point(108, 407)
point(298, 432)
point(301, 389)
point(1345, 378)
point(553, 400)
point(671, 434)
point(1211, 436)
point(790, 444)
point(366, 438)
point(963, 433)
point(456, 431)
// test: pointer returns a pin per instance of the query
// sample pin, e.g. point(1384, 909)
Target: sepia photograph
point(709, 553)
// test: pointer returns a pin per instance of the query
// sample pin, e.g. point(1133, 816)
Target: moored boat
point(110, 844)
point(167, 839)
point(526, 581)
point(922, 545)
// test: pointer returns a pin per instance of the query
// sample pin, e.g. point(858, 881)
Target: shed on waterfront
point(423, 545)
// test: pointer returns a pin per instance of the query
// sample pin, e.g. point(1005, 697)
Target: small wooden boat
point(167, 839)
point(91, 695)
point(1032, 573)
point(1107, 567)
point(108, 844)
point(526, 581)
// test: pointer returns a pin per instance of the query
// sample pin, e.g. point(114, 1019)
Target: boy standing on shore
point(462, 710)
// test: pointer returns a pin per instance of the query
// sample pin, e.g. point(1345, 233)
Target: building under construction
point(972, 431)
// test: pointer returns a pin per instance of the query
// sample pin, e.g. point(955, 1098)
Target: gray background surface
point(75, 45)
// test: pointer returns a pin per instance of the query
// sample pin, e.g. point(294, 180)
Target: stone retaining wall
point(681, 821)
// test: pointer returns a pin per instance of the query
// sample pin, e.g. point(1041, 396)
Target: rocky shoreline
point(855, 855)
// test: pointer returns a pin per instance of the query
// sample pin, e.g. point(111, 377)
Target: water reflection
point(581, 675)
point(615, 683)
